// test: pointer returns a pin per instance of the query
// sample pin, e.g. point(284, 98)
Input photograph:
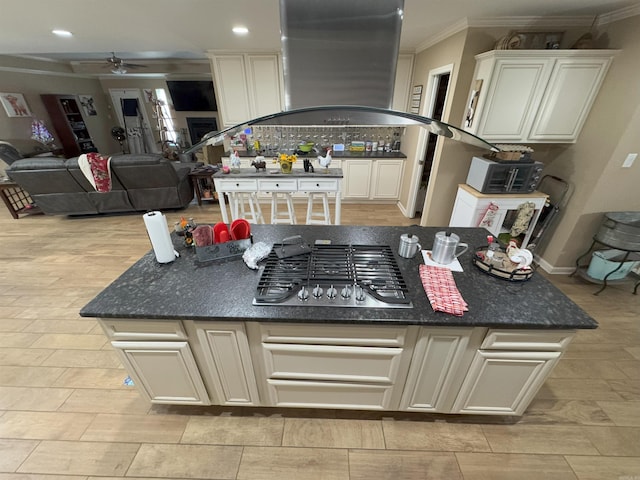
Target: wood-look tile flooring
point(65, 413)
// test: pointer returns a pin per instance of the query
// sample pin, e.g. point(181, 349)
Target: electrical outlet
point(629, 160)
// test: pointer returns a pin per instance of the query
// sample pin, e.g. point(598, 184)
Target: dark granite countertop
point(344, 154)
point(276, 173)
point(224, 290)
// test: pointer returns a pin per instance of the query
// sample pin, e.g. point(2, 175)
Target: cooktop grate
point(336, 276)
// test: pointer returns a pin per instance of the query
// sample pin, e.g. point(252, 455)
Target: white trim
point(550, 269)
point(459, 26)
point(44, 72)
point(423, 135)
point(533, 21)
point(618, 15)
point(527, 22)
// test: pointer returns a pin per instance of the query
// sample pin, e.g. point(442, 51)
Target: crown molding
point(459, 26)
point(507, 22)
point(618, 15)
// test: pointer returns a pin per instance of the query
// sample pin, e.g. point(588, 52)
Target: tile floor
point(65, 413)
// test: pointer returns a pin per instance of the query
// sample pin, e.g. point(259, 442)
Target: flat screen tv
point(192, 95)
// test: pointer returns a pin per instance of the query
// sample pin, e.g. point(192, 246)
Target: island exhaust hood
point(340, 52)
point(339, 62)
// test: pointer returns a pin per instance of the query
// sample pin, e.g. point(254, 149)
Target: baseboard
point(403, 210)
point(550, 269)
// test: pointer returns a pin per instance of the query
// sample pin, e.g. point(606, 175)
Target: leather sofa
point(140, 182)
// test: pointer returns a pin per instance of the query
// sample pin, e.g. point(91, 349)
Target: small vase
point(285, 167)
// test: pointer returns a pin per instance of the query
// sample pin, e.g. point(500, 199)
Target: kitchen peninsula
point(188, 333)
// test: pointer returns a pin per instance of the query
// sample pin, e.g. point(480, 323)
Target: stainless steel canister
point(409, 245)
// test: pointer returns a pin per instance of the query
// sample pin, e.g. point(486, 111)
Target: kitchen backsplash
point(271, 139)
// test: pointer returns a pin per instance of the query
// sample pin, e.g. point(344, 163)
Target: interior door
point(132, 116)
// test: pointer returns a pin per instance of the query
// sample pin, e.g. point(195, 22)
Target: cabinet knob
point(237, 184)
point(318, 185)
point(278, 185)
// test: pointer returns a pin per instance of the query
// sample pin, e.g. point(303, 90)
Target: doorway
point(132, 116)
point(436, 99)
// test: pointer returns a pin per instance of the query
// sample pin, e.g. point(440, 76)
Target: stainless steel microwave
point(488, 176)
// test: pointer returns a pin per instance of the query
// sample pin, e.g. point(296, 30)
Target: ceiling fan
point(119, 66)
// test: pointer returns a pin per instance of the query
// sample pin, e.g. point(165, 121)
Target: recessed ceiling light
point(240, 30)
point(62, 33)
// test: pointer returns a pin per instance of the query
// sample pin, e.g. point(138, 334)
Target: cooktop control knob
point(317, 291)
point(332, 292)
point(345, 292)
point(303, 294)
point(359, 294)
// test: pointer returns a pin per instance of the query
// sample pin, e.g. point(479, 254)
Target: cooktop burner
point(334, 276)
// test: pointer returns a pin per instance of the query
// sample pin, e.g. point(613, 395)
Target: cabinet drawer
point(531, 340)
point(333, 334)
point(142, 329)
point(284, 393)
point(332, 363)
point(284, 185)
point(318, 185)
point(239, 185)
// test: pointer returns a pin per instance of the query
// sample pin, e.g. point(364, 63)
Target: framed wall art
point(88, 105)
point(416, 97)
point(15, 105)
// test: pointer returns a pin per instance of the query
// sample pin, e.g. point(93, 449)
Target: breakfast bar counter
point(189, 333)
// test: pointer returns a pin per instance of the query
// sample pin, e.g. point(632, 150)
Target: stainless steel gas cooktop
point(334, 276)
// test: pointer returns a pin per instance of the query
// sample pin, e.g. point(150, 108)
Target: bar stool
point(318, 218)
point(282, 217)
point(245, 205)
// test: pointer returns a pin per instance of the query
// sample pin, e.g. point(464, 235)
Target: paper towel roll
point(158, 232)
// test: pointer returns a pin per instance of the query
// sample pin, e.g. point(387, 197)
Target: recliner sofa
point(140, 182)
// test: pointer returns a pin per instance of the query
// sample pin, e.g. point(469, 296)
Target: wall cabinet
point(471, 205)
point(402, 87)
point(246, 86)
point(69, 124)
point(534, 96)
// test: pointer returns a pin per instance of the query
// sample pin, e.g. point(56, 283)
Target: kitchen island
point(188, 333)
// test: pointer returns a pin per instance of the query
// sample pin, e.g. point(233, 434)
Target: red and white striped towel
point(441, 290)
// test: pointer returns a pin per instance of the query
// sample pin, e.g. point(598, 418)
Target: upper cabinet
point(534, 96)
point(404, 72)
point(247, 86)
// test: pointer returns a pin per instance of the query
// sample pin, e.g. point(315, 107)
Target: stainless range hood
point(339, 59)
point(340, 52)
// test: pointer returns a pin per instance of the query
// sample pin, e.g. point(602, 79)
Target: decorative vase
point(285, 166)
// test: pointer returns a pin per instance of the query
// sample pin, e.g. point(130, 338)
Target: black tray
point(500, 266)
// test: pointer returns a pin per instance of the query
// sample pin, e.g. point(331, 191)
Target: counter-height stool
point(279, 199)
point(245, 205)
point(318, 218)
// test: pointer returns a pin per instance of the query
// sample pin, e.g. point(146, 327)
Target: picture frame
point(15, 105)
point(416, 98)
point(417, 89)
point(88, 105)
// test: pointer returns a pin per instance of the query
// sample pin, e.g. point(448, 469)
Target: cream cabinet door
point(357, 178)
point(229, 371)
point(437, 359)
point(230, 78)
point(387, 179)
point(402, 86)
point(164, 372)
point(535, 96)
point(513, 97)
point(503, 383)
point(568, 98)
point(264, 84)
